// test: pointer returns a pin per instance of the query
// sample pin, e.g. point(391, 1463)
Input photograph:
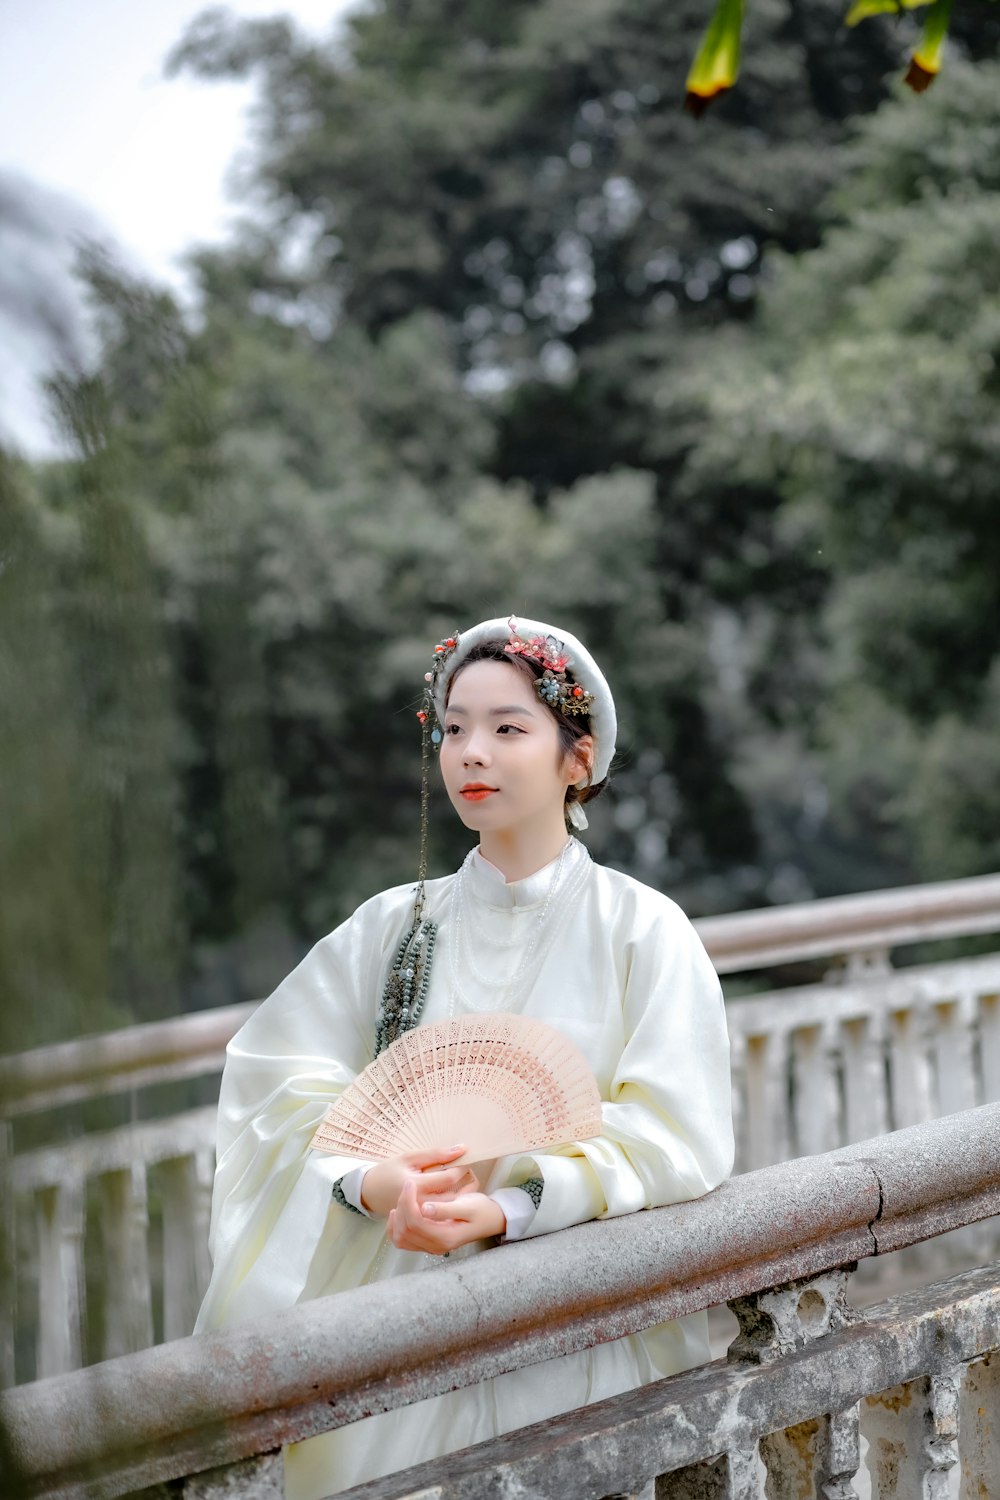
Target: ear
point(580, 760)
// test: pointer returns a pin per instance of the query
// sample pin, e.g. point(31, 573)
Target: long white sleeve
point(668, 1117)
point(275, 1228)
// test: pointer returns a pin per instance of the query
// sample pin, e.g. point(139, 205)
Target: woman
point(526, 726)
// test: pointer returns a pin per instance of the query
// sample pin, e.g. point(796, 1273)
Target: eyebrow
point(496, 713)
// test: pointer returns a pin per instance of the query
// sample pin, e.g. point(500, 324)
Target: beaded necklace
point(565, 884)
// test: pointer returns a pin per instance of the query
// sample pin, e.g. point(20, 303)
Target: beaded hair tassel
point(405, 992)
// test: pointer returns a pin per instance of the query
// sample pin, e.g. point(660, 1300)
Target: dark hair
point(572, 727)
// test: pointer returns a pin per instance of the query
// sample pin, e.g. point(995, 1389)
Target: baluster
point(989, 1041)
point(731, 1476)
point(909, 1070)
point(953, 1024)
point(204, 1173)
point(814, 1092)
point(128, 1317)
point(767, 1099)
point(815, 1460)
point(737, 1066)
point(912, 1434)
point(979, 1424)
point(259, 1478)
point(185, 1242)
point(59, 1220)
point(818, 1458)
point(8, 1261)
point(866, 1107)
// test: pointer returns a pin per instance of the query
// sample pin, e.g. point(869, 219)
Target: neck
point(519, 853)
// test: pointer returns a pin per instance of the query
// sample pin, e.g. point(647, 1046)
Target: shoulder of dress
point(391, 906)
point(638, 901)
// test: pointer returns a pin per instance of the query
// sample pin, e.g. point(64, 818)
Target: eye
point(452, 729)
point(509, 728)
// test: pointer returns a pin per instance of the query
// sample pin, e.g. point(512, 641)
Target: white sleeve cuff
point(350, 1186)
point(518, 1209)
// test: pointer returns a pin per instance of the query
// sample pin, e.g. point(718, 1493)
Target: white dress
point(615, 965)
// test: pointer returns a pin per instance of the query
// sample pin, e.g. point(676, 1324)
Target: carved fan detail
point(499, 1084)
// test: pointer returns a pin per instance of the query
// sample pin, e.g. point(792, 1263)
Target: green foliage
point(533, 180)
point(493, 347)
point(876, 423)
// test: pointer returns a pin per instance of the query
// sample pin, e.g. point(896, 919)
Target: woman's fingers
point(383, 1182)
point(410, 1231)
point(449, 1209)
point(426, 1161)
point(449, 1180)
point(442, 1224)
point(474, 1216)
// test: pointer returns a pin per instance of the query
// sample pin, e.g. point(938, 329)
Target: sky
point(95, 140)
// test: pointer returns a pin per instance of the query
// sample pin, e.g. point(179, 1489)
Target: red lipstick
point(475, 791)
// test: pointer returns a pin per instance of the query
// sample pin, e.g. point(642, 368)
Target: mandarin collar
point(487, 883)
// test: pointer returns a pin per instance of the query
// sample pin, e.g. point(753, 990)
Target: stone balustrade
point(807, 1377)
point(111, 1227)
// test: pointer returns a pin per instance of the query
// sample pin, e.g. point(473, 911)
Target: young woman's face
point(501, 759)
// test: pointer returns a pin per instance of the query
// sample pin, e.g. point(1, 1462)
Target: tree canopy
point(505, 331)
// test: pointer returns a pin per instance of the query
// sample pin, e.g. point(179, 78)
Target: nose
point(476, 750)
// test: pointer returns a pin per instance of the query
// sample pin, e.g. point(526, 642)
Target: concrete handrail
point(191, 1045)
point(837, 926)
point(200, 1402)
point(93, 1066)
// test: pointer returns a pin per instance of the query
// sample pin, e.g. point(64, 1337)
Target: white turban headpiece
point(579, 663)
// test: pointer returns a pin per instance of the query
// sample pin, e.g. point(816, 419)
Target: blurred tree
point(533, 187)
point(473, 357)
point(867, 399)
point(51, 941)
point(531, 180)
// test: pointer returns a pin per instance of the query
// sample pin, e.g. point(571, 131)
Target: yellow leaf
point(862, 9)
point(925, 64)
point(717, 61)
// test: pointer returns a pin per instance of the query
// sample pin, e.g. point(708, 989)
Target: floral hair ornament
point(567, 666)
point(553, 687)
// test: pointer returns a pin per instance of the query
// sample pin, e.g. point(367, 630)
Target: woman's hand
point(383, 1183)
point(439, 1225)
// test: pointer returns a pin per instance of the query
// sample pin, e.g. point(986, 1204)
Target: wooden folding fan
point(497, 1084)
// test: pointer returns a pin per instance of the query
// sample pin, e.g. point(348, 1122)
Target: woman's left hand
point(439, 1226)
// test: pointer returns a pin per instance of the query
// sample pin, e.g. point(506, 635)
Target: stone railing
point(124, 1211)
point(807, 1378)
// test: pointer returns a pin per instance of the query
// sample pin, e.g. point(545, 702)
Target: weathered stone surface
point(222, 1398)
point(718, 1407)
point(59, 1227)
point(814, 1460)
point(227, 1396)
point(775, 1322)
point(128, 1314)
point(618, 1445)
point(730, 1476)
point(979, 1425)
point(260, 1478)
point(912, 1433)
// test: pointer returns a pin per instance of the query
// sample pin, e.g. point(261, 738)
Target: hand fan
point(496, 1083)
